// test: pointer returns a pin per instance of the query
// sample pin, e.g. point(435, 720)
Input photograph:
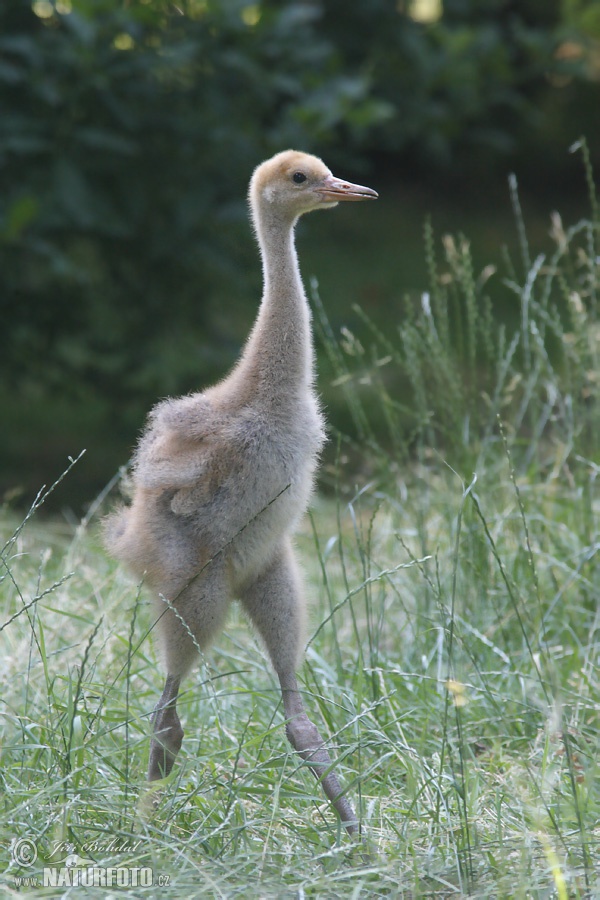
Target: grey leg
point(306, 740)
point(201, 607)
point(167, 732)
point(275, 605)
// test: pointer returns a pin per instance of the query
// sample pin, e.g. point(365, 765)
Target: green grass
point(453, 652)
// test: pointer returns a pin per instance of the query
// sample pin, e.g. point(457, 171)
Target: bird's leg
point(274, 603)
point(167, 732)
point(306, 740)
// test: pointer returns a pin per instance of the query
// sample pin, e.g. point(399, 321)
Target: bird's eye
point(298, 177)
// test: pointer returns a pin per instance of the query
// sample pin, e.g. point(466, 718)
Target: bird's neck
point(279, 356)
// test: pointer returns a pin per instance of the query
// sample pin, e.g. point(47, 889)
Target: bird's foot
point(166, 742)
point(304, 737)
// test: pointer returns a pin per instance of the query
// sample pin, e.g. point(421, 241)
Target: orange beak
point(332, 188)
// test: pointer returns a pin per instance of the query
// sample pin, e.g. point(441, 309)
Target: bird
point(221, 478)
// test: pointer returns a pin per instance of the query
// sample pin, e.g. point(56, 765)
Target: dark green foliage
point(119, 166)
point(464, 82)
point(127, 134)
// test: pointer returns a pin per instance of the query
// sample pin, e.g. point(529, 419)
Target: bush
point(127, 129)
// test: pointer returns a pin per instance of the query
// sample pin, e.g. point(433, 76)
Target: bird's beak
point(332, 188)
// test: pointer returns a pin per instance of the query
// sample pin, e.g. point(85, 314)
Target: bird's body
point(226, 494)
point(221, 478)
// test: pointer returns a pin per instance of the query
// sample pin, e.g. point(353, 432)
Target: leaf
point(20, 214)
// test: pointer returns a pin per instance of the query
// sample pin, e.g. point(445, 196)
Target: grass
point(367, 256)
point(453, 653)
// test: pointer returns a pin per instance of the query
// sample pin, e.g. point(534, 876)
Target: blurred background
point(129, 130)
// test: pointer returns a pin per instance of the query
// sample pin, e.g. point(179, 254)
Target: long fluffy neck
point(278, 356)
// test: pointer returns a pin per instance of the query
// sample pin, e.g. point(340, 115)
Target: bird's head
point(295, 183)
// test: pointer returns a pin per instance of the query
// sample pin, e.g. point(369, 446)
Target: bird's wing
point(191, 417)
point(177, 447)
point(164, 462)
point(188, 500)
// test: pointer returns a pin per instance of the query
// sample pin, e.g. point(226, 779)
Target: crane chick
point(222, 477)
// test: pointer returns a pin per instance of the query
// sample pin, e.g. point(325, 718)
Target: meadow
point(451, 561)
